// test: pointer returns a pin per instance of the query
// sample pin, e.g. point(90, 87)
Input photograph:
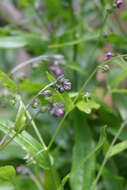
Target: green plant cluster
point(63, 109)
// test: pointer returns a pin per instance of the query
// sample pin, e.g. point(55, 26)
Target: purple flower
point(119, 3)
point(58, 112)
point(67, 86)
point(108, 56)
point(22, 169)
point(56, 70)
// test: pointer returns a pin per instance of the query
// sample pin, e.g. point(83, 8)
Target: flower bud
point(22, 169)
point(119, 3)
point(43, 109)
point(56, 70)
point(34, 105)
point(108, 56)
point(67, 86)
point(58, 112)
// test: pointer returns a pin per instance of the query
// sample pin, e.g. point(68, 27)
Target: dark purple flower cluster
point(55, 108)
point(63, 84)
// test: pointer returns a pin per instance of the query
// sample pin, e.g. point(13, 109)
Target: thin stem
point(57, 130)
point(119, 23)
point(39, 93)
point(34, 178)
point(100, 35)
point(33, 60)
point(35, 129)
point(85, 84)
point(107, 155)
point(5, 136)
point(17, 132)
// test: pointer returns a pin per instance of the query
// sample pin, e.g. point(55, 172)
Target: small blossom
point(56, 111)
point(22, 169)
point(59, 112)
point(67, 86)
point(56, 70)
point(119, 3)
point(108, 56)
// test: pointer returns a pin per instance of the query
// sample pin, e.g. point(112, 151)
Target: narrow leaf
point(93, 151)
point(12, 42)
point(73, 42)
point(6, 82)
point(36, 151)
point(116, 149)
point(82, 178)
point(20, 118)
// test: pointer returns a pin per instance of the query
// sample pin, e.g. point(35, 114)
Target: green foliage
point(7, 82)
point(87, 106)
point(7, 173)
point(83, 145)
point(29, 144)
point(72, 134)
point(116, 149)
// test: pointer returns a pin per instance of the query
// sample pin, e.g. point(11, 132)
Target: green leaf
point(114, 81)
point(82, 178)
point(120, 101)
point(87, 37)
point(50, 77)
point(26, 3)
point(76, 67)
point(111, 179)
point(119, 91)
point(124, 15)
point(57, 96)
point(51, 179)
point(20, 118)
point(12, 42)
point(107, 115)
point(101, 141)
point(117, 39)
point(36, 151)
point(87, 106)
point(31, 87)
point(7, 82)
point(7, 173)
point(69, 105)
point(116, 149)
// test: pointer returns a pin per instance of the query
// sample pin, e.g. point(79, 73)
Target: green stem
point(35, 129)
point(67, 113)
point(107, 155)
point(57, 130)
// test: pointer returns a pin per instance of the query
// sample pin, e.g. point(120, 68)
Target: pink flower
point(119, 3)
point(108, 56)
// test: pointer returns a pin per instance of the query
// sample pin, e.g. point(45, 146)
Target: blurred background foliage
point(82, 31)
